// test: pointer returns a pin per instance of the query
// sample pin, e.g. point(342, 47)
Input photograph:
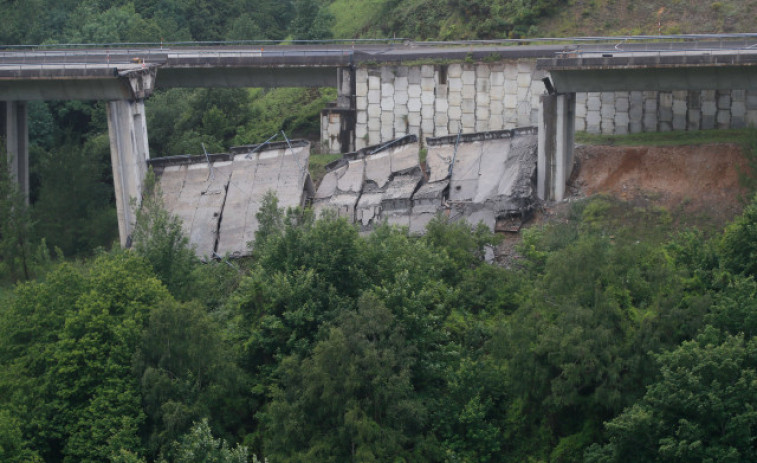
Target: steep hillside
point(485, 19)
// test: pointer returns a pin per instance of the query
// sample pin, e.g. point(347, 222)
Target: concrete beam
point(16, 131)
point(113, 85)
point(129, 152)
point(556, 140)
point(658, 79)
point(248, 77)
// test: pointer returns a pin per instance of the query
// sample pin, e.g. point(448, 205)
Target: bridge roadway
point(89, 73)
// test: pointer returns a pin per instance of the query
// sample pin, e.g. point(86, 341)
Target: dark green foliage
point(158, 238)
point(739, 244)
point(16, 227)
point(701, 409)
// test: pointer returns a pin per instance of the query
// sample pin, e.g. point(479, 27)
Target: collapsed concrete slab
point(483, 177)
point(217, 197)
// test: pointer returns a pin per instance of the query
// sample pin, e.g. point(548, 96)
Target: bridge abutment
point(129, 153)
point(16, 132)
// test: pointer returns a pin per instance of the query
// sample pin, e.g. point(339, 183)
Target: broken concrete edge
point(371, 150)
point(184, 159)
point(276, 145)
point(481, 136)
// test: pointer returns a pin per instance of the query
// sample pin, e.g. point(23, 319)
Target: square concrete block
point(441, 119)
point(414, 105)
point(497, 107)
point(400, 83)
point(580, 124)
point(454, 70)
point(738, 109)
point(469, 122)
point(414, 75)
point(455, 99)
point(635, 127)
point(469, 91)
point(441, 105)
point(608, 110)
point(427, 70)
point(428, 84)
point(361, 103)
point(649, 122)
point(361, 117)
point(593, 119)
point(454, 126)
point(387, 89)
point(665, 114)
point(650, 106)
point(496, 122)
point(468, 106)
point(361, 130)
point(607, 98)
point(665, 100)
point(511, 87)
point(387, 103)
point(361, 89)
point(374, 111)
point(414, 120)
point(387, 118)
point(427, 98)
point(400, 97)
point(524, 80)
point(724, 119)
point(469, 77)
point(387, 133)
point(400, 110)
point(455, 84)
point(724, 100)
point(374, 96)
point(738, 95)
point(679, 122)
point(414, 90)
point(708, 121)
point(621, 104)
point(665, 126)
point(387, 74)
point(497, 78)
point(374, 124)
point(709, 108)
point(427, 111)
point(679, 107)
point(482, 126)
point(455, 112)
point(608, 126)
point(374, 137)
point(497, 93)
point(593, 103)
point(374, 83)
point(482, 113)
point(580, 110)
point(693, 120)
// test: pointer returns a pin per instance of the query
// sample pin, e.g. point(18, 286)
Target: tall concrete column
point(556, 140)
point(16, 132)
point(129, 153)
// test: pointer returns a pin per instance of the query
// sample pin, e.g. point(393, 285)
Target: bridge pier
point(129, 153)
point(556, 139)
point(16, 132)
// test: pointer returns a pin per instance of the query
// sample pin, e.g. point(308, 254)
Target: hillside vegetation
point(614, 337)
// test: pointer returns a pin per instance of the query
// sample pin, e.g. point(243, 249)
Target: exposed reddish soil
point(690, 181)
point(698, 185)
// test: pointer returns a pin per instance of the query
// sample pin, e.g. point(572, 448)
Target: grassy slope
point(367, 18)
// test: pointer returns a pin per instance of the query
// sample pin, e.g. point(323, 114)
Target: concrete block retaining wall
point(436, 100)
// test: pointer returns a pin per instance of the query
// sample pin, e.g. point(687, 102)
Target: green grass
point(699, 137)
point(318, 165)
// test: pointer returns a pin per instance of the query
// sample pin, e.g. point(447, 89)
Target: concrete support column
point(555, 154)
point(129, 153)
point(16, 131)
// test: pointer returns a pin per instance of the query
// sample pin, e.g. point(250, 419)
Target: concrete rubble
point(486, 177)
point(482, 177)
point(217, 198)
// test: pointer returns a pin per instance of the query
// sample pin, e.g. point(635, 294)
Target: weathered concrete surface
point(217, 201)
point(492, 179)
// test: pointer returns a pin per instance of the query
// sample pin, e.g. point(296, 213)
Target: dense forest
point(615, 336)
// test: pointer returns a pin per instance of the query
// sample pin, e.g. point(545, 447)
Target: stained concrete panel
point(464, 181)
point(438, 159)
point(404, 158)
point(352, 179)
point(492, 168)
point(378, 168)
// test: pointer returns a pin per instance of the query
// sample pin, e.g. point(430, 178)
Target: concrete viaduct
point(386, 91)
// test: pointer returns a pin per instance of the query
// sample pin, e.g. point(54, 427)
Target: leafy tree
point(312, 21)
point(16, 227)
point(739, 244)
point(158, 237)
point(199, 446)
point(701, 409)
point(352, 400)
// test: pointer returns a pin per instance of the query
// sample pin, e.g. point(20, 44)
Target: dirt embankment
point(698, 182)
